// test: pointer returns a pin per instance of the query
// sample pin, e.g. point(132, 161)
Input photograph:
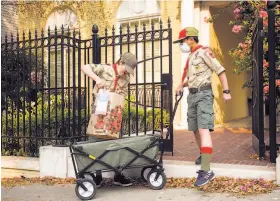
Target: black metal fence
point(257, 88)
point(274, 75)
point(272, 35)
point(46, 99)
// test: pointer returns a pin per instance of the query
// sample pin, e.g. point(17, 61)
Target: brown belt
point(195, 90)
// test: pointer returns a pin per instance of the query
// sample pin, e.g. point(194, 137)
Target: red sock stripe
point(206, 150)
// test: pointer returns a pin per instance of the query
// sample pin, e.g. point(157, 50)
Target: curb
point(175, 169)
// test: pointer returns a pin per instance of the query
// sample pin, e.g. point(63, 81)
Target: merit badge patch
point(210, 53)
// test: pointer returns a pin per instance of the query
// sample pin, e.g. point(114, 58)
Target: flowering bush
point(244, 18)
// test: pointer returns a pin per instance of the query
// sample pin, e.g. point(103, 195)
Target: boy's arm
point(185, 84)
point(215, 66)
point(223, 79)
point(88, 70)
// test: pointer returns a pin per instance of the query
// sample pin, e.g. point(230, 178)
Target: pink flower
point(265, 23)
point(248, 42)
point(236, 11)
point(266, 89)
point(236, 16)
point(263, 14)
point(242, 45)
point(265, 64)
point(236, 28)
point(243, 188)
point(206, 20)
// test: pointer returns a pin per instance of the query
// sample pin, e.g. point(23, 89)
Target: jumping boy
point(197, 76)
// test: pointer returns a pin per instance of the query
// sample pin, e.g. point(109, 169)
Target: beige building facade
point(83, 14)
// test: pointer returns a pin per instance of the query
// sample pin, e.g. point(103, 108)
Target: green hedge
point(141, 117)
point(45, 128)
point(16, 147)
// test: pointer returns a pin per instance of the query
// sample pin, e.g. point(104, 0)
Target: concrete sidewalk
point(67, 193)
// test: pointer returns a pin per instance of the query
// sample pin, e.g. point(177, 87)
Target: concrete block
point(53, 161)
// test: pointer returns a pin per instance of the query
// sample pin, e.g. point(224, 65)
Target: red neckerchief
point(117, 75)
point(187, 63)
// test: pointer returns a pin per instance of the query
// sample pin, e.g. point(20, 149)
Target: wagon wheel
point(85, 189)
point(159, 183)
point(144, 173)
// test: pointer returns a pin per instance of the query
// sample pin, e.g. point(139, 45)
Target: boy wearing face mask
point(114, 78)
point(197, 76)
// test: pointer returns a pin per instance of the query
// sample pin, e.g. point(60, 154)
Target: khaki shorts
point(200, 110)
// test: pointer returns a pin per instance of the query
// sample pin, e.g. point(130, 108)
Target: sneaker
point(198, 160)
point(98, 180)
point(204, 177)
point(121, 180)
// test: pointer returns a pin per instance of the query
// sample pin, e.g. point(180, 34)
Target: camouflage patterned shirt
point(202, 63)
point(108, 75)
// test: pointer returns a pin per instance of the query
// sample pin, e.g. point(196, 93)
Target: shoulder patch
point(209, 51)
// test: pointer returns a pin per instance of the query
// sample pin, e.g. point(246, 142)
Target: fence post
point(272, 85)
point(260, 87)
point(171, 81)
point(96, 50)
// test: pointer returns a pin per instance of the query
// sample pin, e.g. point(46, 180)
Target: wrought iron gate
point(257, 89)
point(46, 99)
point(273, 38)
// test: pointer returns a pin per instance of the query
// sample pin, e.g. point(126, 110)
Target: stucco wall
point(221, 41)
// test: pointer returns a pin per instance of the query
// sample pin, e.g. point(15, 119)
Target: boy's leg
point(121, 180)
point(98, 178)
point(198, 142)
point(206, 149)
point(205, 116)
point(192, 122)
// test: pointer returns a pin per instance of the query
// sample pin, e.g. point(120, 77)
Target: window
point(67, 18)
point(148, 50)
point(138, 13)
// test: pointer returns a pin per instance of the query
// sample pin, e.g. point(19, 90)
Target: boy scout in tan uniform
point(108, 76)
point(197, 76)
point(114, 78)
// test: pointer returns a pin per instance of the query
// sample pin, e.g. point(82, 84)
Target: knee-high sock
point(206, 157)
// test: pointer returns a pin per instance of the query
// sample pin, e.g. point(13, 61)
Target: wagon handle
point(177, 100)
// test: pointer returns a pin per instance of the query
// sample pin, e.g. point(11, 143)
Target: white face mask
point(185, 48)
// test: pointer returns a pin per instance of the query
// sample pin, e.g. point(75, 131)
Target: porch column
point(187, 19)
point(204, 28)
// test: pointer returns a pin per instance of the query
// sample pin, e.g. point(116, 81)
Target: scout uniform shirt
point(202, 63)
point(108, 75)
